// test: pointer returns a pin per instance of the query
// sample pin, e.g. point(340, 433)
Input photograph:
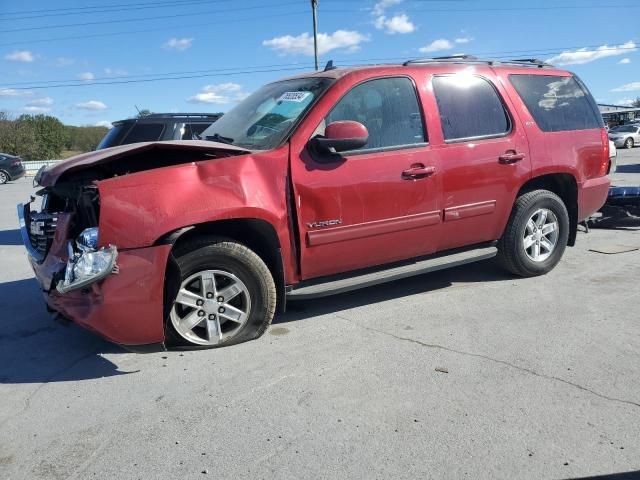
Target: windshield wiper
point(216, 137)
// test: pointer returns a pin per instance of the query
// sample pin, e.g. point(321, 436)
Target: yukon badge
point(324, 223)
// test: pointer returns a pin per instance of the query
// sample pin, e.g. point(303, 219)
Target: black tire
point(628, 143)
point(511, 248)
point(216, 253)
point(4, 177)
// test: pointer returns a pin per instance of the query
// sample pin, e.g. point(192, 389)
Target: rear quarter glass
point(573, 129)
point(557, 103)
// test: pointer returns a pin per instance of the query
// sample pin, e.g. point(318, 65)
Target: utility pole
point(314, 7)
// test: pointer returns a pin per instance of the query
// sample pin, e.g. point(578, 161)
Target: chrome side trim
point(23, 216)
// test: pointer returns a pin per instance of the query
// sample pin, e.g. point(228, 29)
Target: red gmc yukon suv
point(319, 184)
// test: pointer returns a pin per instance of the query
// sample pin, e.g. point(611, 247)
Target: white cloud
point(396, 24)
point(39, 105)
point(624, 61)
point(586, 55)
point(86, 76)
point(380, 7)
point(627, 87)
point(91, 105)
point(64, 61)
point(116, 72)
point(12, 92)
point(103, 123)
point(437, 45)
point(20, 56)
point(220, 94)
point(303, 44)
point(461, 40)
point(625, 102)
point(179, 44)
point(41, 102)
point(35, 109)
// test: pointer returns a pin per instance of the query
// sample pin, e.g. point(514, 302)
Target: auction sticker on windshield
point(294, 96)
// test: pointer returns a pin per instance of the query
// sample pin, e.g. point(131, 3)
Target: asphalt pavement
point(466, 373)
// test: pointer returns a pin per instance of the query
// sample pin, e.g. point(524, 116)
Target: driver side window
point(388, 107)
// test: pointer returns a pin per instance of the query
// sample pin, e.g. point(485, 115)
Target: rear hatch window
point(114, 136)
point(558, 103)
point(145, 132)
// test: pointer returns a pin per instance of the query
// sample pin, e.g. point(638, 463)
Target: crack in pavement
point(491, 359)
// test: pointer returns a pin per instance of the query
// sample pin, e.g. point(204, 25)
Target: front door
point(376, 204)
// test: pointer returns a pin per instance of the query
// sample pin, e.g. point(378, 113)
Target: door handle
point(418, 170)
point(510, 157)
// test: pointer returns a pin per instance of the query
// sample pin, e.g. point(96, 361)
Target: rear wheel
point(536, 235)
point(4, 177)
point(226, 296)
point(628, 143)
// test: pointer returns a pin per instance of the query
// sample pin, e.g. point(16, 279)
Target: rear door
point(483, 155)
point(366, 208)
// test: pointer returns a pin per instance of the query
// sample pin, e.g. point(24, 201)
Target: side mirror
point(342, 136)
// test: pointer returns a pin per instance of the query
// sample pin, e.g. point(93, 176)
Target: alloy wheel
point(3, 178)
point(211, 307)
point(541, 235)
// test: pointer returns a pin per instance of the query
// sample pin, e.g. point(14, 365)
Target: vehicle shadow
point(36, 349)
point(10, 237)
point(485, 271)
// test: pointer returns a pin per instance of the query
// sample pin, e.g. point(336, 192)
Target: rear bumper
point(125, 308)
point(591, 196)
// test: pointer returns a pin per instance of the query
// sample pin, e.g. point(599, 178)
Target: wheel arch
point(256, 234)
point(566, 187)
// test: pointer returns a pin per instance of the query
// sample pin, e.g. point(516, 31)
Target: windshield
point(263, 119)
point(628, 128)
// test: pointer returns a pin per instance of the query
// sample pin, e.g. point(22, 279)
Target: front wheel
point(226, 296)
point(628, 143)
point(536, 235)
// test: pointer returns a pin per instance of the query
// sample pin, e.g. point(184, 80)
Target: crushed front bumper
point(125, 307)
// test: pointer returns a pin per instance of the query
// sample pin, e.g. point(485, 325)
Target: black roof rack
point(531, 62)
point(179, 115)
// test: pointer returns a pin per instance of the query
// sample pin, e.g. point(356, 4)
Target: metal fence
point(32, 166)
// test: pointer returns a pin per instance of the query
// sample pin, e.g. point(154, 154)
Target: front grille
point(42, 228)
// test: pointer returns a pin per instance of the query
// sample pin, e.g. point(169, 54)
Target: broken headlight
point(88, 239)
point(89, 264)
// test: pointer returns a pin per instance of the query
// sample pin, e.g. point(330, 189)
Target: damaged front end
point(89, 270)
point(69, 215)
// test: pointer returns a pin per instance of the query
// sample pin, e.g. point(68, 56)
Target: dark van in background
point(157, 127)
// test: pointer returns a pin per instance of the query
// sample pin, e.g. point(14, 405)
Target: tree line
point(43, 137)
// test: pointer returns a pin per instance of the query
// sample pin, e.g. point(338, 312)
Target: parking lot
point(462, 373)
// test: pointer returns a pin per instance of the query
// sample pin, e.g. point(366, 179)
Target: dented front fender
point(137, 209)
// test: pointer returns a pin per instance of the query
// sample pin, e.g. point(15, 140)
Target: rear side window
point(145, 132)
point(469, 107)
point(557, 103)
point(388, 107)
point(114, 136)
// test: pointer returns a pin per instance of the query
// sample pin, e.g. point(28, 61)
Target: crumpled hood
point(49, 176)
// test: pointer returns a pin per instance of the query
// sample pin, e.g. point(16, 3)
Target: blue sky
point(230, 48)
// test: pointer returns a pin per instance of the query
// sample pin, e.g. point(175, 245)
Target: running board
point(356, 282)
